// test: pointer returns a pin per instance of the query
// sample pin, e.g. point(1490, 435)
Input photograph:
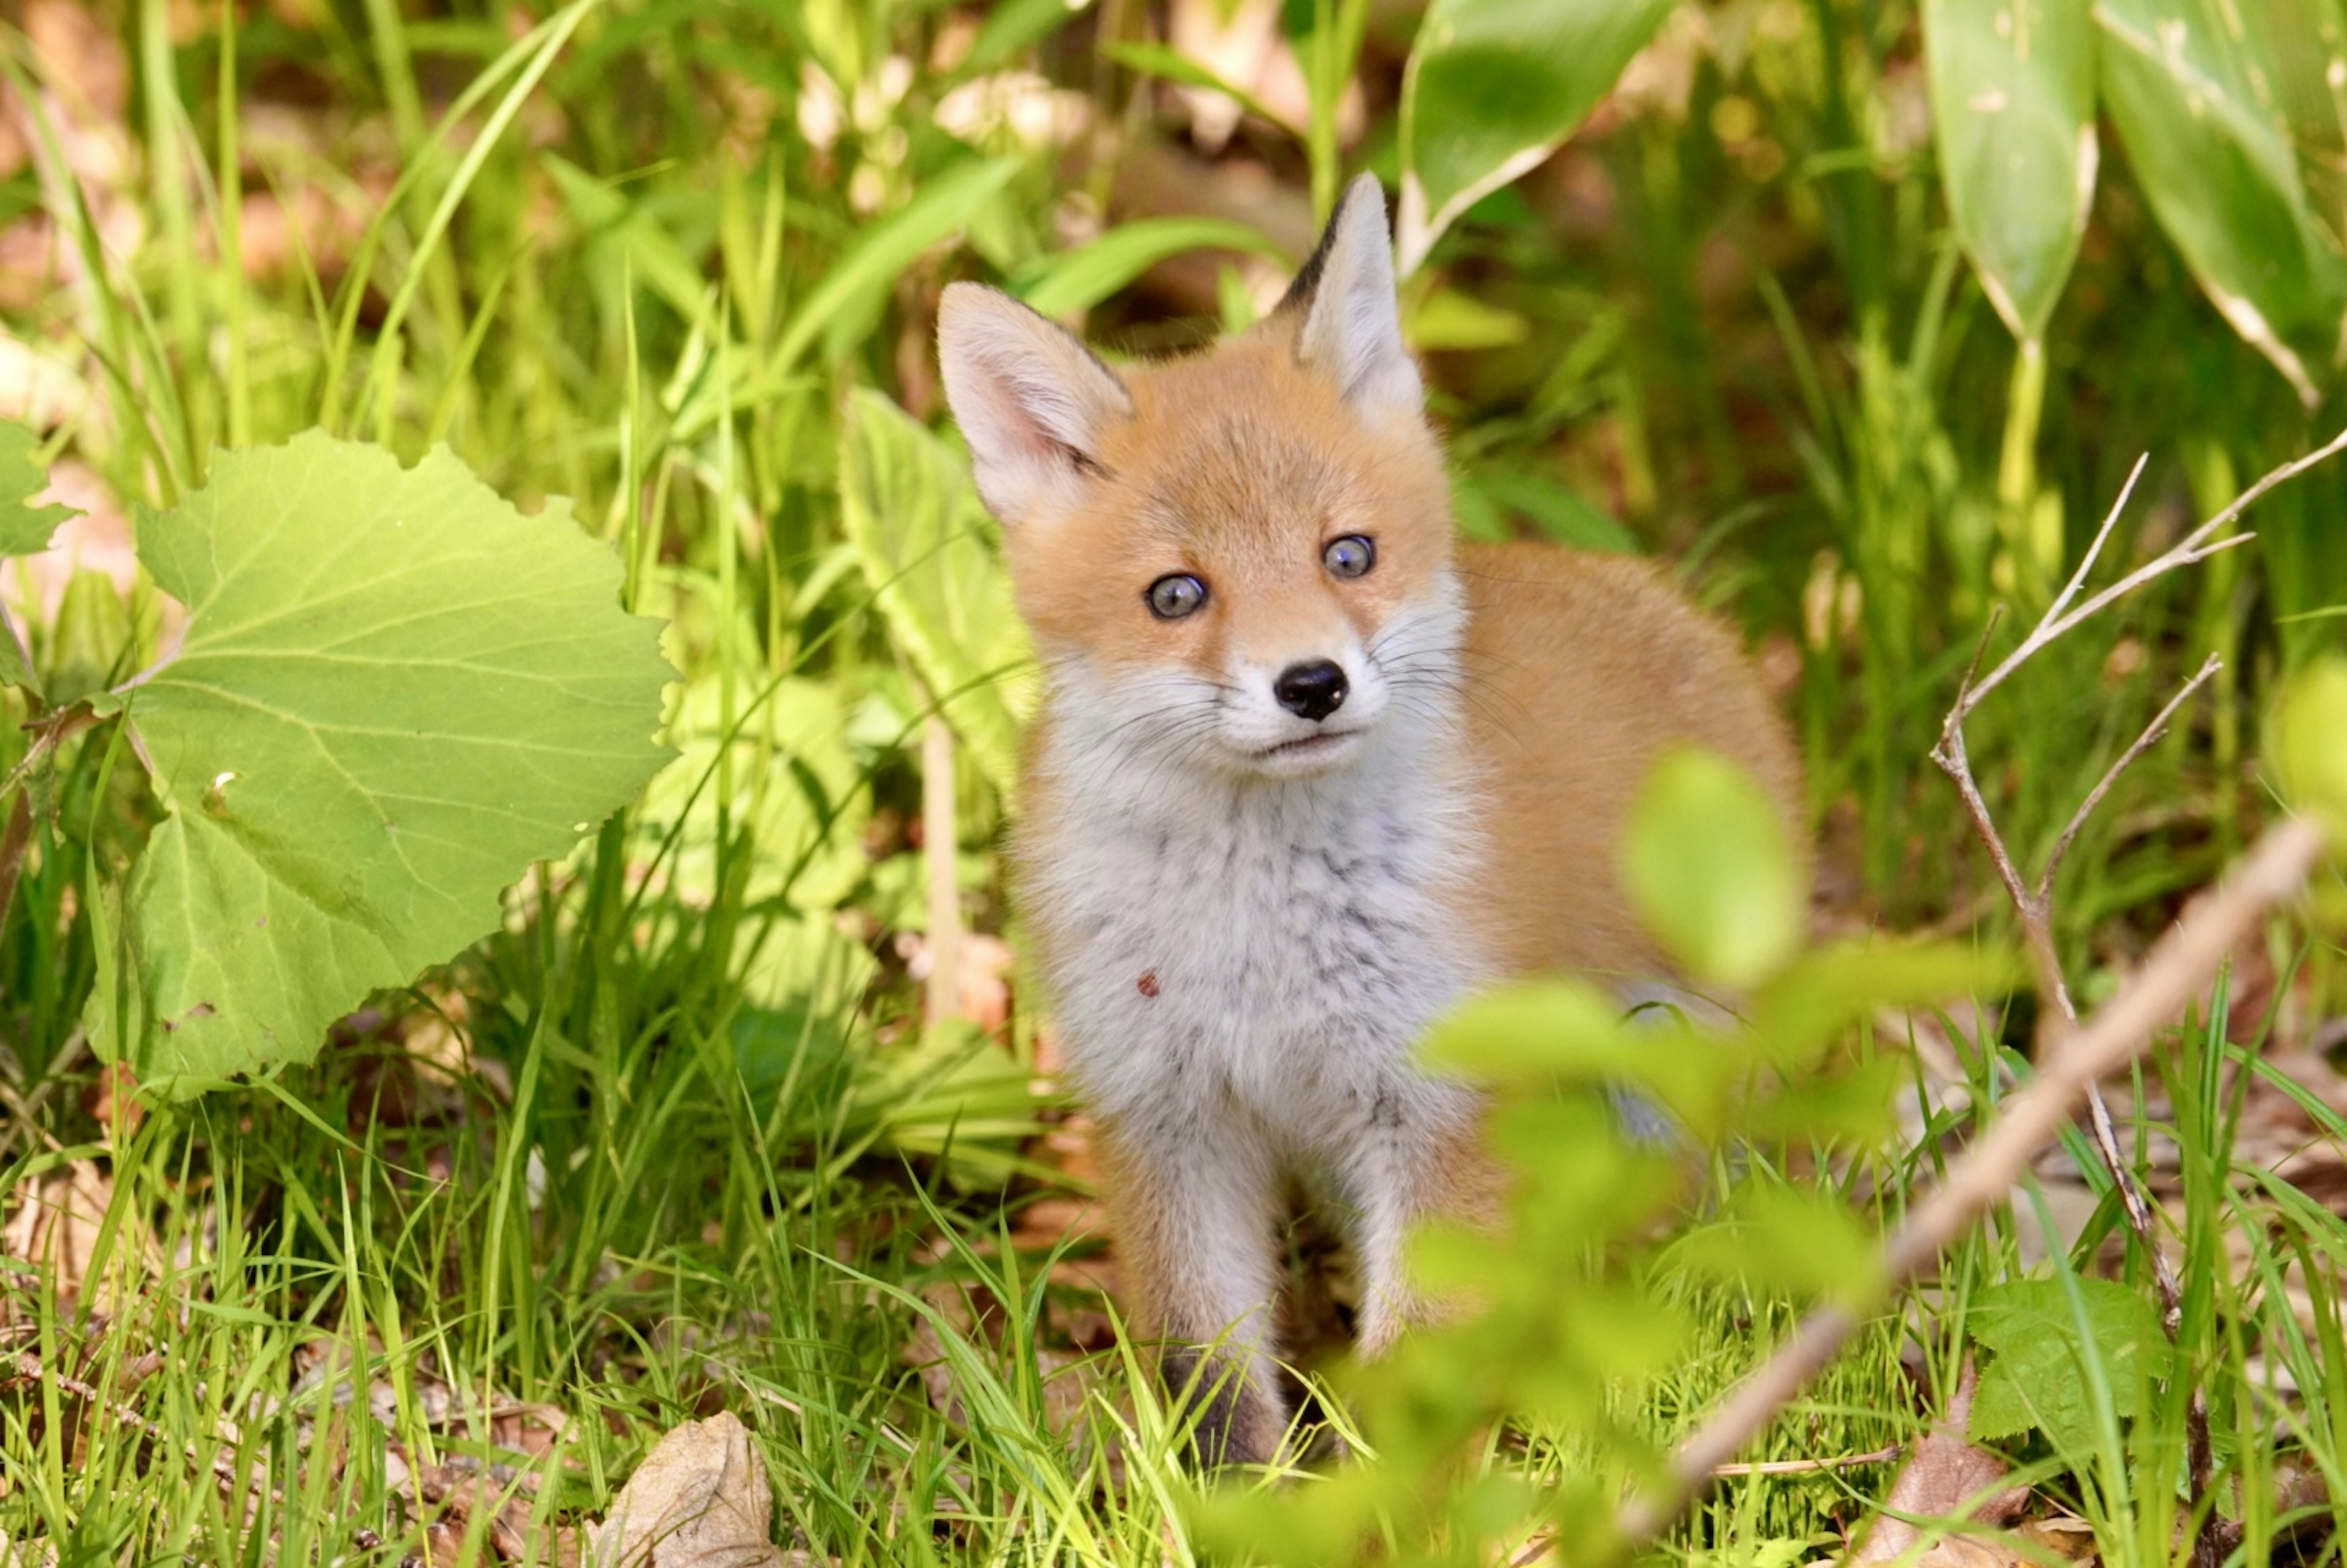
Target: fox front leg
point(1195, 1211)
point(1416, 1156)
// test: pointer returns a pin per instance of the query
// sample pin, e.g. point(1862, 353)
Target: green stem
point(2035, 562)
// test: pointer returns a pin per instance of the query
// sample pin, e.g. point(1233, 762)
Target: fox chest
point(1277, 960)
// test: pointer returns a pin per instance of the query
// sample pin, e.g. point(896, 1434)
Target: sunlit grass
point(703, 1168)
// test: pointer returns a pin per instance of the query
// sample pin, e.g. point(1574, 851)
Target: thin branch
point(1809, 1465)
point(2142, 743)
point(2035, 905)
point(2179, 966)
point(30, 1370)
point(2102, 536)
point(2193, 546)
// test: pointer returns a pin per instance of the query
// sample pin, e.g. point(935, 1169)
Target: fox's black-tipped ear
point(1031, 400)
point(1351, 331)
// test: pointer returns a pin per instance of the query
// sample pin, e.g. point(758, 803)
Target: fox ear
point(1031, 400)
point(1352, 318)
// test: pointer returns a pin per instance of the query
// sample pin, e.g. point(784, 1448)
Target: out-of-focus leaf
point(1550, 506)
point(925, 544)
point(25, 529)
point(2190, 85)
point(2039, 1376)
point(1796, 1240)
point(629, 244)
point(2310, 745)
point(1080, 279)
point(1010, 28)
point(1710, 865)
point(1546, 1028)
point(1173, 65)
point(2013, 106)
point(1802, 1009)
point(1493, 87)
point(394, 693)
point(1449, 319)
point(841, 308)
point(1558, 1031)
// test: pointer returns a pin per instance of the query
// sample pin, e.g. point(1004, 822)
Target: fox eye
point(1351, 556)
point(1175, 595)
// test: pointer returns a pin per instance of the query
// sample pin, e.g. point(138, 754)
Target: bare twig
point(2179, 966)
point(2034, 904)
point(30, 1370)
point(2142, 743)
point(2197, 546)
point(1809, 1466)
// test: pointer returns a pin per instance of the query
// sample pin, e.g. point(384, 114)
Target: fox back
point(1306, 775)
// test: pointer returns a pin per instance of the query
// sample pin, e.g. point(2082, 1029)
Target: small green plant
point(392, 693)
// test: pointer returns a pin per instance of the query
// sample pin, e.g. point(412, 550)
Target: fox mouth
point(1308, 746)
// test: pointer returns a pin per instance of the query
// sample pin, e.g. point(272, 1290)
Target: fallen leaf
point(464, 1495)
point(700, 1500)
point(54, 1227)
point(1946, 1477)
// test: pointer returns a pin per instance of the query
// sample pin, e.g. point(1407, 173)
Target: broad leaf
point(395, 693)
point(925, 544)
point(1710, 865)
point(25, 530)
point(2190, 85)
point(1493, 86)
point(2013, 106)
point(2040, 1376)
point(2310, 742)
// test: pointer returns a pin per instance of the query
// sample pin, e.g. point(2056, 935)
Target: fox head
point(1240, 557)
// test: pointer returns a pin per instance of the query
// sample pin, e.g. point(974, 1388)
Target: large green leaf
point(395, 693)
point(923, 542)
point(2310, 743)
point(25, 530)
point(1493, 87)
point(1710, 866)
point(2044, 1342)
point(2012, 105)
point(2190, 85)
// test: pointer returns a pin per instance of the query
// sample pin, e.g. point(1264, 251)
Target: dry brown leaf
point(464, 1495)
point(2065, 1535)
point(700, 1500)
point(53, 1223)
point(1944, 1478)
point(112, 1101)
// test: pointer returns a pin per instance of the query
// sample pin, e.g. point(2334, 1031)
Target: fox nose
point(1311, 691)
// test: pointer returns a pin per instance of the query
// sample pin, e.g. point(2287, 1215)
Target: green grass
point(712, 1157)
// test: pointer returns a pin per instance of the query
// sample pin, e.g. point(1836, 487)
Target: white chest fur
point(1263, 949)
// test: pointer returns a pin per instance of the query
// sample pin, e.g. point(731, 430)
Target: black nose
point(1311, 691)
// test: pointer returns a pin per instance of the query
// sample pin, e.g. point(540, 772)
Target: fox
point(1305, 772)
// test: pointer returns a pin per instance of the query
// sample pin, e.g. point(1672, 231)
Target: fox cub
point(1306, 773)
